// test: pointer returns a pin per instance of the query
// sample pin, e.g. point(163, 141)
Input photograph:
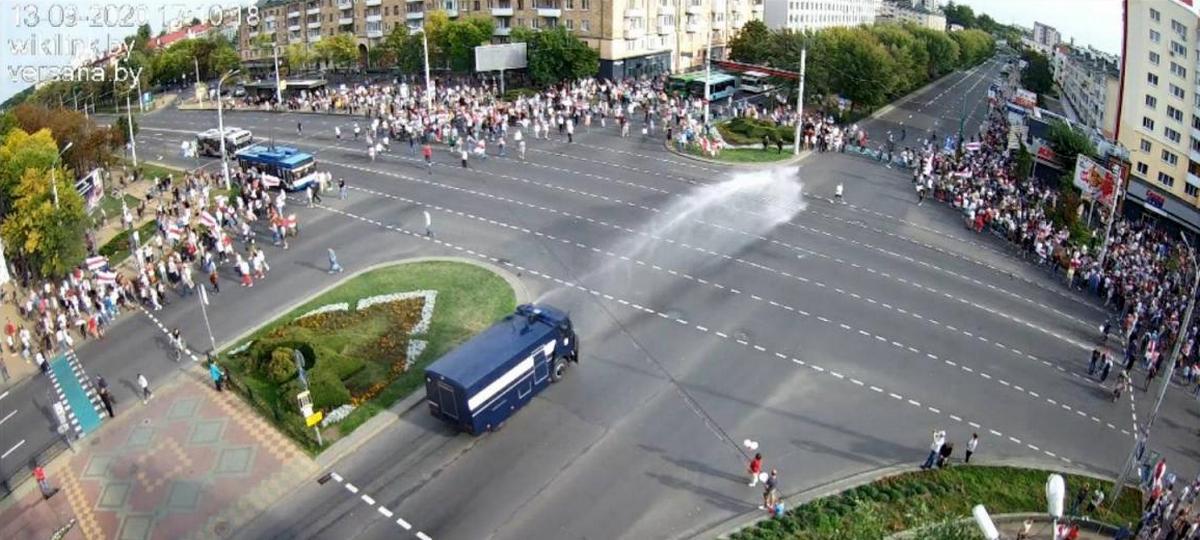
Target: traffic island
point(362, 345)
point(935, 503)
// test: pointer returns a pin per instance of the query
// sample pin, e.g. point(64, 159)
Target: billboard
point(500, 57)
point(1025, 98)
point(1094, 180)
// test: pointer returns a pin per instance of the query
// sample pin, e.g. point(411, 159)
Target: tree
point(749, 45)
point(20, 151)
point(556, 55)
point(462, 36)
point(338, 51)
point(959, 14)
point(402, 50)
point(120, 130)
point(860, 68)
point(942, 50)
point(910, 56)
point(90, 144)
point(1037, 76)
point(974, 46)
point(1068, 143)
point(298, 57)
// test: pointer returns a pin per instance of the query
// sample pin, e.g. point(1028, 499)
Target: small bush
point(341, 365)
point(282, 365)
point(328, 392)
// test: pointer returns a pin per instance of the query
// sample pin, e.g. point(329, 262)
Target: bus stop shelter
point(291, 87)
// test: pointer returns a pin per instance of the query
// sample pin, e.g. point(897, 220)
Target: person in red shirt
point(10, 333)
point(39, 474)
point(427, 153)
point(755, 469)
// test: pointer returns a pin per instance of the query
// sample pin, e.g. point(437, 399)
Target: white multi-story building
point(1089, 80)
point(896, 11)
point(1158, 107)
point(1046, 36)
point(801, 15)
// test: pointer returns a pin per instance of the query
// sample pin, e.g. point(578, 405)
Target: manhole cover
point(146, 421)
point(221, 528)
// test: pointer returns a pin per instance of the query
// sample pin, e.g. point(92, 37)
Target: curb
point(1099, 527)
point(727, 527)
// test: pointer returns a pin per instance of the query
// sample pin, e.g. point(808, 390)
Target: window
point(1195, 144)
point(1178, 70)
point(570, 5)
point(1155, 36)
point(1146, 146)
point(1148, 123)
point(1170, 158)
point(1178, 49)
point(1151, 101)
point(583, 4)
point(1175, 114)
point(1173, 135)
point(1177, 92)
point(584, 25)
point(1179, 29)
point(1195, 122)
point(1143, 169)
point(1154, 58)
point(1166, 179)
point(1152, 79)
point(1190, 190)
point(1155, 15)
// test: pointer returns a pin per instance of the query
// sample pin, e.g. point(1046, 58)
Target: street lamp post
point(278, 90)
point(428, 81)
point(707, 76)
point(1166, 380)
point(196, 63)
point(129, 124)
point(221, 125)
point(53, 176)
point(800, 103)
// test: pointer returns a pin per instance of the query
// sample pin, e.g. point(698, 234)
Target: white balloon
point(762, 477)
point(747, 443)
point(754, 445)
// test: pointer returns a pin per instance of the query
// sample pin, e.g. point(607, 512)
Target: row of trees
point(869, 65)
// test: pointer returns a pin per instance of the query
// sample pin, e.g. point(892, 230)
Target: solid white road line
point(11, 450)
point(10, 415)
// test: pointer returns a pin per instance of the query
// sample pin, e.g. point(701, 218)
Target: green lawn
point(745, 155)
point(151, 171)
point(469, 300)
point(929, 499)
point(117, 249)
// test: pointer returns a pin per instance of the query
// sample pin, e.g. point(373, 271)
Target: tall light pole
point(1112, 215)
point(707, 73)
point(278, 90)
point(129, 124)
point(428, 81)
point(221, 124)
point(1172, 360)
point(800, 103)
point(196, 63)
point(53, 176)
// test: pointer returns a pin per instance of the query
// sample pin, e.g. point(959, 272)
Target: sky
point(1090, 22)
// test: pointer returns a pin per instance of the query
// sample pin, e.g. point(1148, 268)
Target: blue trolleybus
point(294, 169)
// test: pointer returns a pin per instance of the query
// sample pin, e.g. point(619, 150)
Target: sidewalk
point(193, 463)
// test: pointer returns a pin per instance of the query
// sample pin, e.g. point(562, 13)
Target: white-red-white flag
point(97, 262)
point(106, 277)
point(208, 220)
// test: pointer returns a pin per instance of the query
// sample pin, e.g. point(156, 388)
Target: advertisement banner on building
point(1025, 98)
point(1094, 180)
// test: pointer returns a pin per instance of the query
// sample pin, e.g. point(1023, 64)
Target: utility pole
point(707, 76)
point(196, 62)
point(221, 125)
point(129, 124)
point(428, 81)
point(1166, 379)
point(53, 170)
point(1112, 214)
point(800, 103)
point(278, 90)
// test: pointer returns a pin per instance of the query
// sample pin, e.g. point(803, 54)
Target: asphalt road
point(712, 307)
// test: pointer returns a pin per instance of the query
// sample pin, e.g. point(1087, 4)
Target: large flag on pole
point(106, 277)
point(97, 262)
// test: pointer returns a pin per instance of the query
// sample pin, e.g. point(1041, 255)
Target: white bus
point(208, 143)
point(755, 82)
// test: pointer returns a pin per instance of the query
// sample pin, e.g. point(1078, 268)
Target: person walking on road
point(428, 223)
point(427, 153)
point(342, 188)
point(939, 438)
point(770, 491)
point(39, 474)
point(145, 386)
point(177, 343)
point(755, 469)
point(299, 129)
point(334, 267)
point(971, 446)
point(105, 397)
point(837, 194)
point(1094, 362)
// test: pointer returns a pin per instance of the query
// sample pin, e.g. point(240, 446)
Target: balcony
point(374, 18)
point(666, 29)
point(413, 15)
point(695, 9)
point(314, 25)
point(693, 27)
point(634, 33)
point(452, 13)
point(293, 28)
point(718, 6)
point(269, 19)
point(665, 10)
point(345, 21)
point(503, 10)
point(635, 13)
point(293, 14)
point(549, 11)
point(502, 30)
point(313, 11)
point(370, 3)
point(345, 4)
point(374, 30)
point(313, 38)
point(1192, 178)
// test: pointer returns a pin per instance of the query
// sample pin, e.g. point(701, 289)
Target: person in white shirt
point(939, 438)
point(971, 444)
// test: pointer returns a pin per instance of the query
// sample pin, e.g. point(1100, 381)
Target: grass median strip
point(357, 355)
point(931, 499)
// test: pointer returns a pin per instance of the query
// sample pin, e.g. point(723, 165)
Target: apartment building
point(801, 15)
point(634, 37)
point(1046, 36)
point(1159, 107)
point(897, 11)
point(1089, 81)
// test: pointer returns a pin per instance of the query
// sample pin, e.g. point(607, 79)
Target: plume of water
point(725, 217)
